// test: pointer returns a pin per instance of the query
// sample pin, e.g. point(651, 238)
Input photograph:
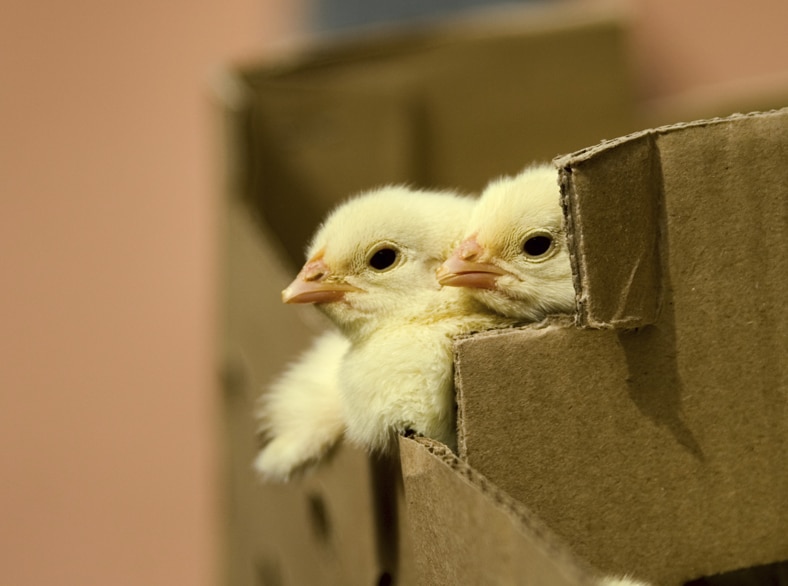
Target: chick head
point(375, 256)
point(515, 259)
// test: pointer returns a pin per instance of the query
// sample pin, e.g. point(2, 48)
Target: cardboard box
point(445, 106)
point(652, 435)
point(648, 436)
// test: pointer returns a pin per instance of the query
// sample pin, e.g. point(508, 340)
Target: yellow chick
point(371, 268)
point(301, 414)
point(515, 259)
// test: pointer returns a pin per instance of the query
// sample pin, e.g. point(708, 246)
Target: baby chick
point(371, 269)
point(301, 415)
point(515, 259)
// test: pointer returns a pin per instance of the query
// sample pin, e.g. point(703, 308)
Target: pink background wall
point(108, 188)
point(694, 47)
point(109, 182)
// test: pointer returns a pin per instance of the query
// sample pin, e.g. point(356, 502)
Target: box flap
point(613, 211)
point(467, 531)
point(618, 227)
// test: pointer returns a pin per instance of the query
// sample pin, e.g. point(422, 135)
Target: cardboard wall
point(467, 531)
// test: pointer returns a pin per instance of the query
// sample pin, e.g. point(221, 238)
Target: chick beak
point(313, 284)
point(464, 268)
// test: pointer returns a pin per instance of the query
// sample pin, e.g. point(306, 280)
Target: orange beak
point(313, 284)
point(465, 269)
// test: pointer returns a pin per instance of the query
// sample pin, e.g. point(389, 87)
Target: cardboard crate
point(547, 435)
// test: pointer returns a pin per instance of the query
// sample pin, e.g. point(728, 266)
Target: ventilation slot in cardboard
point(318, 517)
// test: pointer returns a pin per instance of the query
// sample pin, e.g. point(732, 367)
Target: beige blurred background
point(110, 178)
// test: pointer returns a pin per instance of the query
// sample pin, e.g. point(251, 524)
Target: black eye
point(537, 245)
point(383, 259)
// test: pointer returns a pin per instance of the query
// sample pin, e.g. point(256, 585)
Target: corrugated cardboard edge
point(423, 456)
point(578, 157)
point(615, 236)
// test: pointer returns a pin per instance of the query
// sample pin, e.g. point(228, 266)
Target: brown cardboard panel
point(315, 530)
point(552, 421)
point(613, 219)
point(310, 146)
point(633, 472)
point(253, 278)
point(661, 451)
point(319, 529)
point(612, 193)
point(495, 103)
point(466, 531)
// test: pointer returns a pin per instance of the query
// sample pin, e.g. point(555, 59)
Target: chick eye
point(383, 259)
point(537, 245)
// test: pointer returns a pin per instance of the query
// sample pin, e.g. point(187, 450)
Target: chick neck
point(442, 307)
